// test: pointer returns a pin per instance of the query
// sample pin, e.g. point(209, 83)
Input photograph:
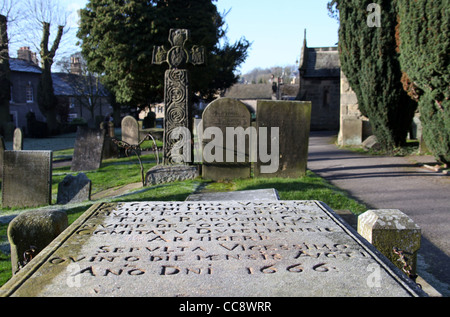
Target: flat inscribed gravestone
point(87, 155)
point(27, 178)
point(221, 114)
point(293, 120)
point(280, 248)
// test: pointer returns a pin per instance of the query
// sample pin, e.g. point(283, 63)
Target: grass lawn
point(120, 172)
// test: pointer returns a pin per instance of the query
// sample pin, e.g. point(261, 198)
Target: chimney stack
point(75, 65)
point(24, 53)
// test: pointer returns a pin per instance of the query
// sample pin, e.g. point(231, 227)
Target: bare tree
point(4, 74)
point(85, 85)
point(8, 14)
point(45, 15)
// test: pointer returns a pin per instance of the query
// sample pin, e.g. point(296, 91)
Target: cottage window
point(71, 102)
point(29, 93)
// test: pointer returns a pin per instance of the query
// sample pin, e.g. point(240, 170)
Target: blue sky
point(274, 27)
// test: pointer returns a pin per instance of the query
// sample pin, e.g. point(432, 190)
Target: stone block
point(387, 229)
point(30, 232)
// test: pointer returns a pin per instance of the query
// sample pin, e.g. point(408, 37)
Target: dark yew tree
point(117, 39)
point(371, 63)
point(423, 40)
point(45, 95)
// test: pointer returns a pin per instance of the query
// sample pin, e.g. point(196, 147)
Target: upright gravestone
point(176, 88)
point(18, 140)
point(226, 140)
point(284, 154)
point(130, 130)
point(27, 178)
point(87, 155)
point(212, 249)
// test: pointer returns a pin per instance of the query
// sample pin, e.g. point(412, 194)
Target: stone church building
point(320, 77)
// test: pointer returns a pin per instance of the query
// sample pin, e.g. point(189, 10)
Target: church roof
point(320, 62)
point(22, 66)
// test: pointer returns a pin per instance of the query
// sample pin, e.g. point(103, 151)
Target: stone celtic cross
point(176, 89)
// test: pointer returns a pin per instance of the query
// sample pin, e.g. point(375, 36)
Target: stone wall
point(354, 127)
point(324, 94)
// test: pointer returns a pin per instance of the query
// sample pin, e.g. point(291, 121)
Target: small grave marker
point(18, 140)
point(130, 130)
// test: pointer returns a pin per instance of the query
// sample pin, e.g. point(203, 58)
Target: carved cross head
point(177, 56)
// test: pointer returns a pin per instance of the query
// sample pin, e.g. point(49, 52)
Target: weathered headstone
point(74, 189)
point(292, 118)
point(216, 249)
point(176, 86)
point(18, 140)
point(27, 178)
point(387, 229)
point(226, 156)
point(30, 232)
point(130, 130)
point(87, 155)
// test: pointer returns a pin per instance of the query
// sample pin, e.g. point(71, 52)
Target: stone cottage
point(25, 76)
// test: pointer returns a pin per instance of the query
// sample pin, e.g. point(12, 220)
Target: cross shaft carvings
point(176, 90)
